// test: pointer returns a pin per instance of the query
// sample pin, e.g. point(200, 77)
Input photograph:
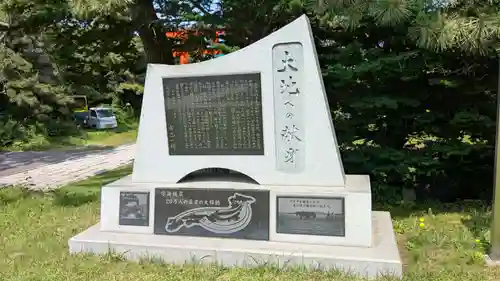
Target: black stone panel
point(241, 214)
point(134, 208)
point(322, 216)
point(214, 115)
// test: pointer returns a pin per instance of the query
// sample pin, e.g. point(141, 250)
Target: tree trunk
point(157, 46)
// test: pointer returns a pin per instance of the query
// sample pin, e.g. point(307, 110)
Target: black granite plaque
point(134, 208)
point(214, 115)
point(323, 216)
point(241, 214)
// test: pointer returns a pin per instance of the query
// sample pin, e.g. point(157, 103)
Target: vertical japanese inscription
point(214, 115)
point(288, 71)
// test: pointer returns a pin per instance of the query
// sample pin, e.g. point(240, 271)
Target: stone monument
point(260, 114)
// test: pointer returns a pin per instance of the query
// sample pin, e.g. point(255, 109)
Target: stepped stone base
point(380, 259)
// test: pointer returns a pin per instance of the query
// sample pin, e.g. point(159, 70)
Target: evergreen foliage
point(411, 83)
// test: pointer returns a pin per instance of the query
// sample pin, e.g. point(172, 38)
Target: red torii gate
point(184, 56)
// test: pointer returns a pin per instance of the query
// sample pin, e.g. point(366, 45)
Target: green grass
point(87, 138)
point(35, 228)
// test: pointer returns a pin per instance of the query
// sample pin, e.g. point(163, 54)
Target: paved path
point(52, 169)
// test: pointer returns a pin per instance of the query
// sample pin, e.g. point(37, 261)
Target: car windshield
point(104, 113)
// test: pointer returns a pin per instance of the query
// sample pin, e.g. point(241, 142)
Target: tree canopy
point(411, 83)
point(468, 25)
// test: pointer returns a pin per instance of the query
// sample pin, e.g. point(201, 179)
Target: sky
point(213, 8)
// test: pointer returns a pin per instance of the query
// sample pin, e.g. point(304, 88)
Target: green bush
point(411, 118)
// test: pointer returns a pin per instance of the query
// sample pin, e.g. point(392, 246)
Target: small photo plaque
point(320, 216)
point(134, 208)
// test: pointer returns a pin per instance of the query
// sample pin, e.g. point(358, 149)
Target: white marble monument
point(262, 113)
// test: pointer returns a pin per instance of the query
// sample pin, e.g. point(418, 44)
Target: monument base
point(491, 261)
point(380, 259)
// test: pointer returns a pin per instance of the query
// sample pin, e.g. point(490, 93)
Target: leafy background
point(411, 84)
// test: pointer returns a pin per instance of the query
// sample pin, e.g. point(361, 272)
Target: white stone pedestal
point(380, 259)
point(296, 206)
point(368, 247)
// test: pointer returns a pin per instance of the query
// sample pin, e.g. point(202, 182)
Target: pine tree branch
point(4, 26)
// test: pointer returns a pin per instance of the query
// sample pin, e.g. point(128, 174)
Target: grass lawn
point(87, 138)
point(35, 229)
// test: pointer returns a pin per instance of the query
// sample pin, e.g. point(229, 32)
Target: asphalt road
point(53, 169)
point(17, 162)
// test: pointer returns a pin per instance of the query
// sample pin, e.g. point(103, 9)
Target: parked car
point(97, 117)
